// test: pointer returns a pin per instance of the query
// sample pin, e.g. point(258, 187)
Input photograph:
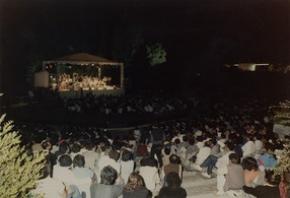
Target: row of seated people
point(136, 167)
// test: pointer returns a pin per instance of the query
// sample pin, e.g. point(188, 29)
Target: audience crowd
point(231, 141)
point(108, 105)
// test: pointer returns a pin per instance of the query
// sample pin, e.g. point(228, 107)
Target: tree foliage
point(19, 171)
point(156, 54)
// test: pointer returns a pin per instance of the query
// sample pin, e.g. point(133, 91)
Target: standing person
point(172, 187)
point(157, 138)
point(136, 187)
point(106, 188)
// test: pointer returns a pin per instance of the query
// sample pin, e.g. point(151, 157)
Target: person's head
point(167, 150)
point(177, 141)
point(127, 156)
point(115, 155)
point(79, 161)
point(108, 175)
point(191, 141)
point(135, 181)
point(230, 145)
point(148, 161)
point(250, 164)
point(234, 158)
point(271, 178)
point(63, 148)
point(46, 145)
point(65, 161)
point(76, 148)
point(184, 138)
point(172, 180)
point(174, 159)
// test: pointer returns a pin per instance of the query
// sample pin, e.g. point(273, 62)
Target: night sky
point(192, 32)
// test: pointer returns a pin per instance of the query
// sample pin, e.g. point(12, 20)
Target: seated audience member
point(270, 189)
point(63, 149)
point(83, 175)
point(166, 153)
point(110, 160)
point(135, 187)
point(222, 166)
point(90, 156)
point(75, 149)
point(249, 148)
point(259, 144)
point(234, 180)
point(173, 166)
point(106, 188)
point(48, 187)
point(62, 171)
point(149, 172)
point(202, 155)
point(172, 187)
point(211, 160)
point(252, 174)
point(127, 165)
point(268, 159)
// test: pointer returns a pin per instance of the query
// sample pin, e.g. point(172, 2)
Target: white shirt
point(222, 163)
point(63, 174)
point(90, 158)
point(201, 156)
point(259, 145)
point(150, 176)
point(126, 169)
point(49, 187)
point(249, 149)
point(107, 161)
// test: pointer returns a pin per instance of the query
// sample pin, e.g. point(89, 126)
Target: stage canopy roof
point(84, 58)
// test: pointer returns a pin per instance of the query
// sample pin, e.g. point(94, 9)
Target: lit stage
point(77, 74)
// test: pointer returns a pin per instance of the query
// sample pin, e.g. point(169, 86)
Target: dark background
point(198, 35)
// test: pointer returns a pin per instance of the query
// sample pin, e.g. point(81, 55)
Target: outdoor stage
point(79, 74)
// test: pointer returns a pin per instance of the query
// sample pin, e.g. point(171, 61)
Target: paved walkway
point(199, 187)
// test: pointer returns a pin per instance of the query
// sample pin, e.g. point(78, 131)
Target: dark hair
point(230, 145)
point(174, 159)
point(177, 141)
point(76, 148)
point(127, 156)
point(249, 163)
point(191, 141)
point(234, 158)
point(167, 150)
point(271, 178)
point(108, 175)
point(115, 155)
point(79, 161)
point(148, 161)
point(173, 180)
point(65, 161)
point(185, 138)
point(63, 148)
